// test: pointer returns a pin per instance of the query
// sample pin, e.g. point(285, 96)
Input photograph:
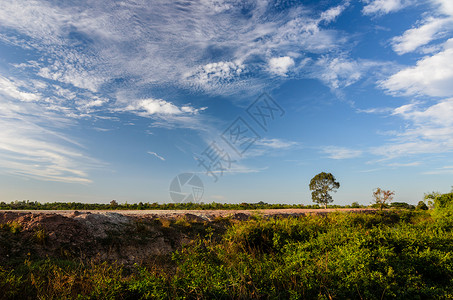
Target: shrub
point(355, 205)
point(13, 227)
point(421, 206)
point(402, 205)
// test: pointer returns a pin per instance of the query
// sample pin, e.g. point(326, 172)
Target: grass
point(388, 255)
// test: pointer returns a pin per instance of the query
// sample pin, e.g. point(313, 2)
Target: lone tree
point(382, 197)
point(321, 185)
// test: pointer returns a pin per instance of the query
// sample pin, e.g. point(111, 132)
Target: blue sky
point(103, 100)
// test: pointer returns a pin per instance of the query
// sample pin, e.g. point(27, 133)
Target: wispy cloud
point(447, 170)
point(432, 28)
point(12, 89)
point(375, 110)
point(429, 130)
point(335, 152)
point(156, 155)
point(28, 147)
point(235, 169)
point(212, 46)
point(338, 72)
point(275, 143)
point(411, 164)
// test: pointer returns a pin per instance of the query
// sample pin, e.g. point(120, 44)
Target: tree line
point(321, 187)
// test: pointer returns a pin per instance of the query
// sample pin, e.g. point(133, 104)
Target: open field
point(268, 254)
point(209, 214)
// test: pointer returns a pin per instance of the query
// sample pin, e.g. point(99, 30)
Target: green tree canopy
point(321, 185)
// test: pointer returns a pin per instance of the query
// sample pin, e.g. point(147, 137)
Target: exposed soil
point(127, 237)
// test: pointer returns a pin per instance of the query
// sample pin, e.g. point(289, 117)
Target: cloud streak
point(429, 130)
point(156, 155)
point(29, 148)
point(335, 152)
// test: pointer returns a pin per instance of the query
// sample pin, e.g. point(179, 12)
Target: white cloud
point(72, 73)
point(375, 110)
point(432, 76)
point(153, 106)
point(332, 13)
point(280, 65)
point(440, 114)
point(431, 29)
point(95, 101)
point(150, 107)
point(34, 19)
point(381, 7)
point(335, 152)
point(444, 6)
point(217, 76)
point(338, 72)
point(156, 155)
point(429, 130)
point(32, 146)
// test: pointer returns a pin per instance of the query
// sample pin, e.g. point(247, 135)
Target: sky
point(103, 100)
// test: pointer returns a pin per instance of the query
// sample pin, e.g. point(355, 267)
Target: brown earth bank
point(127, 237)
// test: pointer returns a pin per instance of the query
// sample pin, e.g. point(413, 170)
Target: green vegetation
point(443, 207)
point(421, 206)
point(13, 227)
point(377, 255)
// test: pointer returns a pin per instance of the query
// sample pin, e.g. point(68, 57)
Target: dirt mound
point(105, 236)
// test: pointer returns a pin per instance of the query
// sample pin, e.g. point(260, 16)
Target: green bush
point(443, 208)
point(421, 206)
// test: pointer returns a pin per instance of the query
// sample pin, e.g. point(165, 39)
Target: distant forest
point(114, 205)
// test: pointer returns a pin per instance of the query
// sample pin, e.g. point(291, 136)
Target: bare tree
point(382, 197)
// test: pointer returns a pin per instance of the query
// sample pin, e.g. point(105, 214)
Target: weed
point(165, 222)
point(40, 235)
point(12, 226)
